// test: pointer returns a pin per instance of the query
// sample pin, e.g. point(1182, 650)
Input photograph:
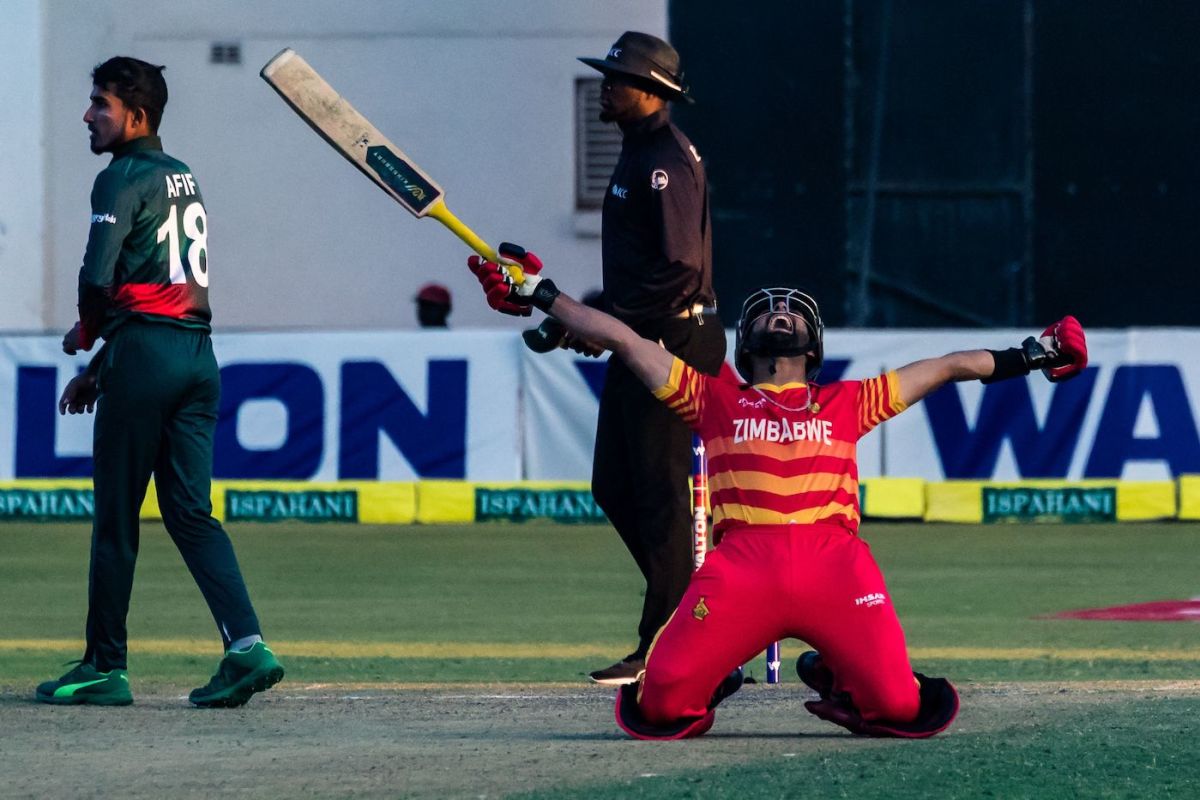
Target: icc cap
point(434, 293)
point(641, 55)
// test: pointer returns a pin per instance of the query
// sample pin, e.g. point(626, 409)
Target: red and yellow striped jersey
point(781, 454)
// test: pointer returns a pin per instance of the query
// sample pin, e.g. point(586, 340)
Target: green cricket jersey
point(147, 251)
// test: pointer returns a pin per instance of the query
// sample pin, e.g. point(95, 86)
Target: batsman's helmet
point(780, 336)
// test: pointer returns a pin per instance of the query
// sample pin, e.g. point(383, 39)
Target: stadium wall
point(481, 94)
point(22, 235)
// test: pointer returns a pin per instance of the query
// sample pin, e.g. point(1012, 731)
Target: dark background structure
point(935, 163)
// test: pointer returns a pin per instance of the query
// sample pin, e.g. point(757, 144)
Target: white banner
point(561, 398)
point(478, 405)
point(1131, 415)
point(304, 406)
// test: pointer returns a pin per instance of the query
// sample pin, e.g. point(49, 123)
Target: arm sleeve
point(677, 197)
point(684, 393)
point(113, 208)
point(878, 400)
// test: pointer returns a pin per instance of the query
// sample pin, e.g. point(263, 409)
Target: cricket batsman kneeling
point(784, 480)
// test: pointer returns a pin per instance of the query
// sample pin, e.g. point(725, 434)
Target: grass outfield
point(1051, 708)
point(542, 602)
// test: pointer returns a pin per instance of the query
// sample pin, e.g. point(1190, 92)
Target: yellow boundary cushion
point(50, 499)
point(445, 501)
point(372, 502)
point(893, 498)
point(455, 501)
point(1036, 501)
point(954, 501)
point(1189, 496)
point(51, 486)
point(387, 503)
point(458, 501)
point(1146, 500)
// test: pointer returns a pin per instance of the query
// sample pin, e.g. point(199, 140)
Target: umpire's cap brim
point(660, 84)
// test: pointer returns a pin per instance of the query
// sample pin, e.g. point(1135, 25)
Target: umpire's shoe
point(628, 670)
point(240, 674)
point(86, 684)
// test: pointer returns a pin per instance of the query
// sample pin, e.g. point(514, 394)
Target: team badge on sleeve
point(658, 180)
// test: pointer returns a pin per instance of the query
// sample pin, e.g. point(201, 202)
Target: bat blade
point(362, 144)
point(350, 133)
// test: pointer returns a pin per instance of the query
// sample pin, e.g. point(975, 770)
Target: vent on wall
point(225, 53)
point(597, 146)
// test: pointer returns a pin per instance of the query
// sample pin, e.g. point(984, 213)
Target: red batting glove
point(530, 263)
point(501, 291)
point(498, 287)
point(1068, 340)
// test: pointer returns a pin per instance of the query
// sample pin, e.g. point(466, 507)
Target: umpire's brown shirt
point(656, 235)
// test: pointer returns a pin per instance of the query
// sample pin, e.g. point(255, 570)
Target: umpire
point(657, 259)
point(154, 384)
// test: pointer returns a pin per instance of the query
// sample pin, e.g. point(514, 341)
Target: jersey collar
point(150, 142)
point(648, 124)
point(770, 387)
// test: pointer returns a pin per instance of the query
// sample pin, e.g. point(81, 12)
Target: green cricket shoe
point(86, 684)
point(239, 675)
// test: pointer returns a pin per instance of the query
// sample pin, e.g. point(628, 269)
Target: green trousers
point(157, 412)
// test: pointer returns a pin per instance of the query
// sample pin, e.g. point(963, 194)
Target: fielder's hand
point(503, 294)
point(79, 396)
point(72, 341)
point(1066, 341)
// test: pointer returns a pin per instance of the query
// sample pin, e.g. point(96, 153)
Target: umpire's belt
point(697, 310)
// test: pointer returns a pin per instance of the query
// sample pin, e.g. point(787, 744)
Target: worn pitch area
point(498, 741)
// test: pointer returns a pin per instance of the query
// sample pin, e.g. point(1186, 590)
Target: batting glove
point(1060, 353)
point(503, 293)
point(1069, 346)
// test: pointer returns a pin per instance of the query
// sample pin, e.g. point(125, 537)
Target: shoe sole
point(241, 692)
point(617, 681)
point(83, 699)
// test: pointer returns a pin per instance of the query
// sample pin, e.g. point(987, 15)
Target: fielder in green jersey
point(155, 388)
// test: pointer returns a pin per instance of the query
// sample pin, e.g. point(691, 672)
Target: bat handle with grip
point(444, 215)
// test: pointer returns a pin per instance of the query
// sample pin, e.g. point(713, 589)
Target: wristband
point(544, 295)
point(1010, 363)
point(1017, 362)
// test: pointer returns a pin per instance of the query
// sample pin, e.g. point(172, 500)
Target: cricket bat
point(352, 135)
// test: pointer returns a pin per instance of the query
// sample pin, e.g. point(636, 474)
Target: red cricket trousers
point(763, 583)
